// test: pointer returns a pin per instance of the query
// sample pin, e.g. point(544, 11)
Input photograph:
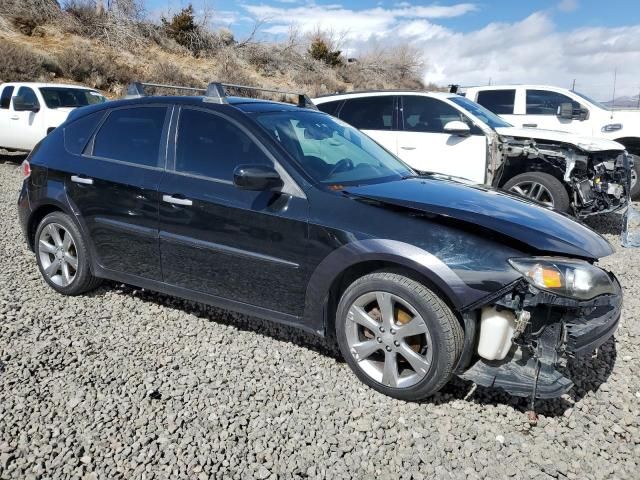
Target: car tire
point(540, 187)
point(418, 365)
point(63, 256)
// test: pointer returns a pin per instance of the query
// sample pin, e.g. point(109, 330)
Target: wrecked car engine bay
point(597, 181)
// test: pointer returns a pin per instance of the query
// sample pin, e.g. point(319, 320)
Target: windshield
point(64, 97)
point(591, 100)
point(487, 116)
point(331, 151)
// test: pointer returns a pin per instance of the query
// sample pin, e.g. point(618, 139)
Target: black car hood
point(540, 228)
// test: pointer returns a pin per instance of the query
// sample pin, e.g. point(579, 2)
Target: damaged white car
point(449, 134)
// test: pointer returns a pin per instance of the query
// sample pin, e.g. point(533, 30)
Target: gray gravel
point(123, 383)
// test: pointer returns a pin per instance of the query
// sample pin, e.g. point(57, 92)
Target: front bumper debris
point(560, 328)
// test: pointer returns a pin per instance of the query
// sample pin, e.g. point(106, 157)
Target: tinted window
point(543, 102)
point(57, 97)
point(5, 98)
point(329, 107)
point(498, 101)
point(212, 146)
point(28, 96)
point(425, 114)
point(370, 113)
point(132, 135)
point(77, 133)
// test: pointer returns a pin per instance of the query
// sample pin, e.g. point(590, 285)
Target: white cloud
point(532, 50)
point(568, 5)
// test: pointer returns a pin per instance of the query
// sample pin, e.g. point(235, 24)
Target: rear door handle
point(408, 148)
point(176, 201)
point(82, 180)
point(530, 125)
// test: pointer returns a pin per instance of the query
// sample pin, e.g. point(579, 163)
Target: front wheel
point(635, 173)
point(541, 187)
point(398, 336)
point(62, 255)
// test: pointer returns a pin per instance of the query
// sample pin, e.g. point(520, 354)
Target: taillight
point(26, 169)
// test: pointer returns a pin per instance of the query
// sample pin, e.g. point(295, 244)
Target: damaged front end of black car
point(560, 309)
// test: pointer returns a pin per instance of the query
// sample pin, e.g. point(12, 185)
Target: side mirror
point(256, 177)
point(456, 127)
point(19, 105)
point(565, 111)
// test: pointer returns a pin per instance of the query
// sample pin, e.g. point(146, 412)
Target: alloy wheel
point(535, 191)
point(58, 254)
point(389, 339)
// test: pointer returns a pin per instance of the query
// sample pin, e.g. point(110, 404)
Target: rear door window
point(544, 102)
point(498, 101)
point(5, 97)
point(212, 146)
point(77, 133)
point(132, 135)
point(369, 113)
point(330, 107)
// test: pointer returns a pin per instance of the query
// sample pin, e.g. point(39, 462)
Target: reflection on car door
point(425, 146)
point(375, 116)
point(246, 246)
point(115, 187)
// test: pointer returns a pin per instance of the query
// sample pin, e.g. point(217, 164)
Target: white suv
point(29, 111)
point(449, 134)
point(543, 106)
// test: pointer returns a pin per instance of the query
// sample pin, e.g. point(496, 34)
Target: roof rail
point(215, 92)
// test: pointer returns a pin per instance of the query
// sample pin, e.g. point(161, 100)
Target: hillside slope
point(109, 50)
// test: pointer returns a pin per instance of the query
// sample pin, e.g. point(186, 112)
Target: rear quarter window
point(78, 132)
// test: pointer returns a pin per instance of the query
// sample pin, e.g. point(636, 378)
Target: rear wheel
point(398, 336)
point(541, 187)
point(62, 255)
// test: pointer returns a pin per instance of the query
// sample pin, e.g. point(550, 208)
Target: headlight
point(569, 278)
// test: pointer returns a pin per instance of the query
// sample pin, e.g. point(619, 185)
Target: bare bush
point(184, 28)
point(96, 70)
point(20, 63)
point(169, 74)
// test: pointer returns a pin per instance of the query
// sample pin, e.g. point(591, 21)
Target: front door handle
point(82, 180)
point(530, 125)
point(14, 117)
point(408, 148)
point(176, 201)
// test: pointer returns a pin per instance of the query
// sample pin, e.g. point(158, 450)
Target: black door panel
point(120, 209)
point(232, 243)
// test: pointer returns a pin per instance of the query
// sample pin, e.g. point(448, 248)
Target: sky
point(465, 42)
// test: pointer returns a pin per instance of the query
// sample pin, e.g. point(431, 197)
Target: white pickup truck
point(29, 111)
point(555, 108)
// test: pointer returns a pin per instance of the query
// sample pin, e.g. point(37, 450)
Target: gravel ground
point(123, 383)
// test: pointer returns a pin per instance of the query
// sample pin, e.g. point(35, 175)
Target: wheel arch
point(632, 144)
point(36, 217)
point(345, 264)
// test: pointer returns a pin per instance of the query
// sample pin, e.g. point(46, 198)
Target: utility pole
point(615, 77)
point(573, 86)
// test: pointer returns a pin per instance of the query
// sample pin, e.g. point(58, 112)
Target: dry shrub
point(93, 68)
point(20, 63)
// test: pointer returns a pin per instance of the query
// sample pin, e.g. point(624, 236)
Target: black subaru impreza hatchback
point(284, 212)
